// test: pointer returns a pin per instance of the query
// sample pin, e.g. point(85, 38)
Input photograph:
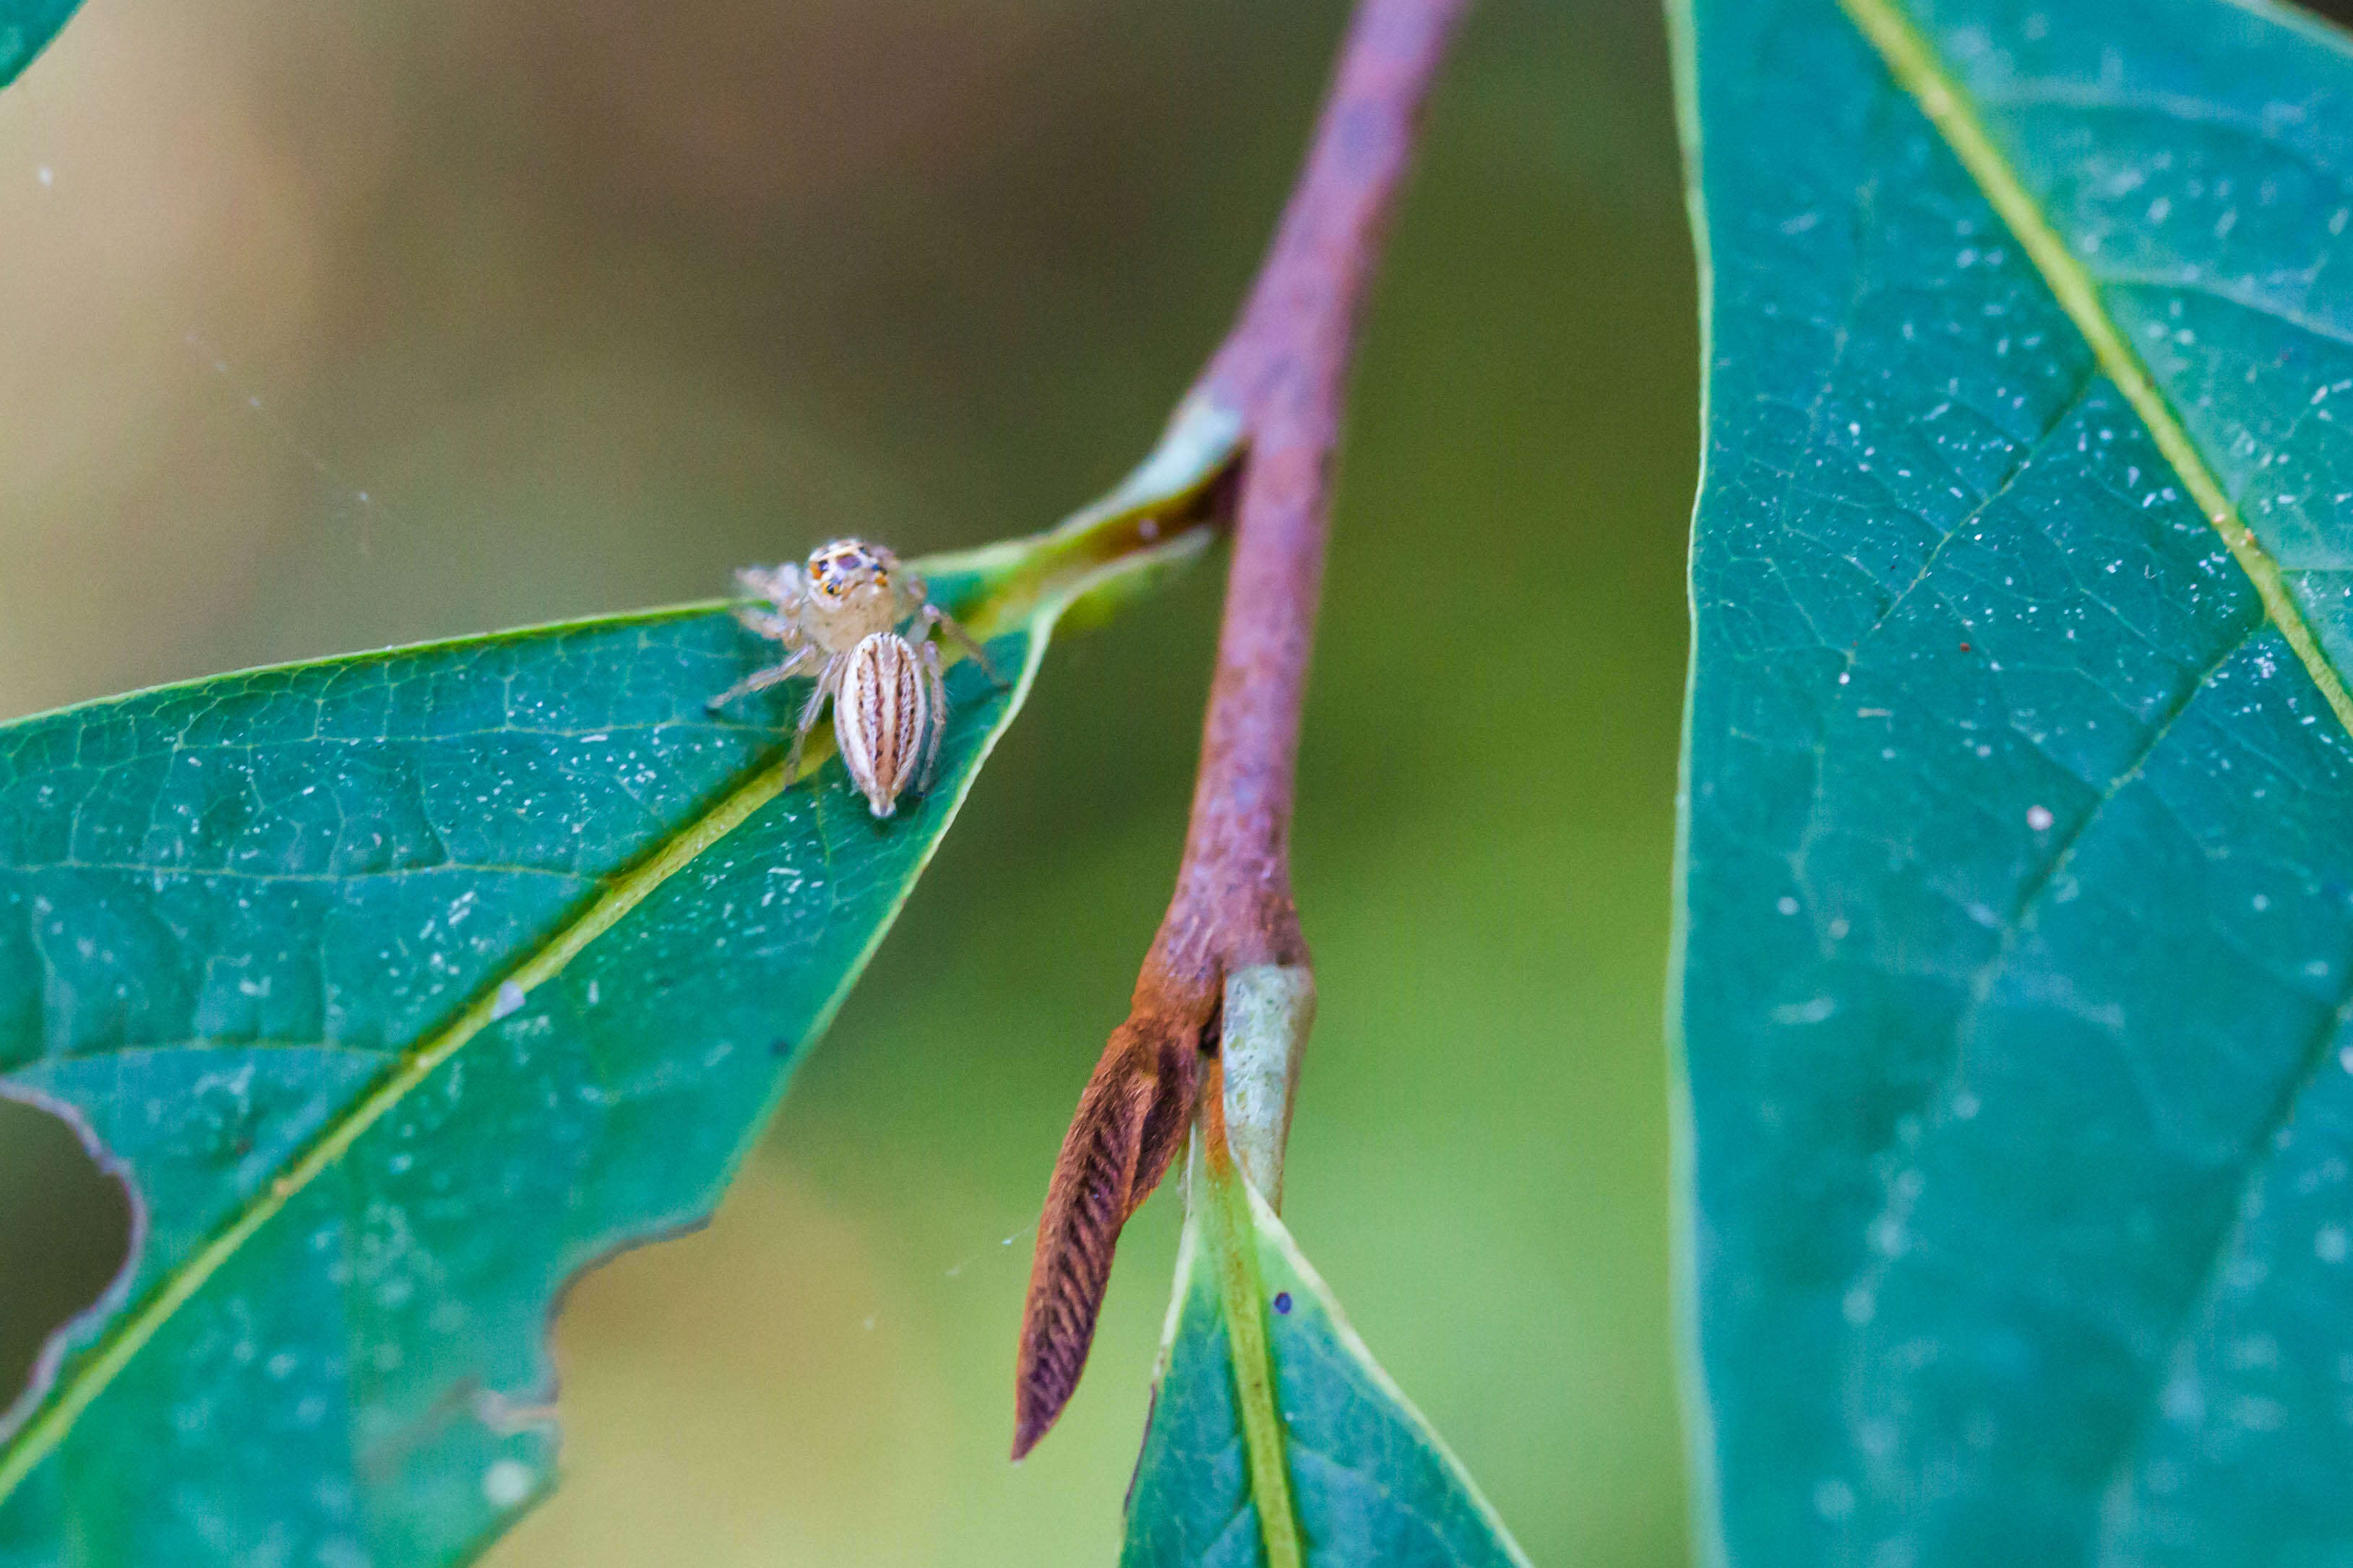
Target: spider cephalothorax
point(839, 617)
point(850, 591)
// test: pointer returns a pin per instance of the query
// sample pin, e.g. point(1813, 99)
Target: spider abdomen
point(883, 718)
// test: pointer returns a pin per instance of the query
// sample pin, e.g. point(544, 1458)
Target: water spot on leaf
point(506, 1483)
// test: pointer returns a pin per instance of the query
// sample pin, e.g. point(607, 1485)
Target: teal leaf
point(25, 29)
point(403, 987)
point(2017, 943)
point(1360, 1480)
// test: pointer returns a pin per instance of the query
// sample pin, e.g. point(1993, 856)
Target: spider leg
point(937, 689)
point(770, 625)
point(784, 586)
point(775, 674)
point(826, 681)
point(935, 616)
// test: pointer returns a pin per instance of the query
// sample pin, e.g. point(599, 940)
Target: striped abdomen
point(881, 718)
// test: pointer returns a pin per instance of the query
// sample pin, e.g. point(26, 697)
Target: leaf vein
point(1916, 70)
point(2256, 1160)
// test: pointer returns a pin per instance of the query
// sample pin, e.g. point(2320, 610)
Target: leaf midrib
point(1242, 1303)
point(1039, 603)
point(55, 1416)
point(1914, 63)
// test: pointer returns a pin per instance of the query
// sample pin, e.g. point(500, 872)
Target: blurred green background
point(334, 326)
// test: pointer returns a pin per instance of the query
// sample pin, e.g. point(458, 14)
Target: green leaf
point(2017, 946)
point(403, 987)
point(25, 29)
point(1275, 1438)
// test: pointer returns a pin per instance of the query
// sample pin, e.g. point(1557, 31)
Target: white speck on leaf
point(506, 1483)
point(1813, 1012)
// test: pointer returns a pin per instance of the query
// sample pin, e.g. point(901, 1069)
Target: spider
point(839, 617)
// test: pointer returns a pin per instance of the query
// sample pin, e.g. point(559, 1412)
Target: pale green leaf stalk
point(1268, 1012)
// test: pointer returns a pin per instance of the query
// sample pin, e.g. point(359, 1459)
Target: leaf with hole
point(2018, 907)
point(404, 986)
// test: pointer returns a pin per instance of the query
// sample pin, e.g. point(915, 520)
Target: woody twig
point(1284, 372)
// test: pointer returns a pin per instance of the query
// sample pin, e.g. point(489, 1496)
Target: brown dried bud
point(882, 717)
point(1132, 1120)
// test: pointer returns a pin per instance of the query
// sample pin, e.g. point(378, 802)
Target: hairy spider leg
point(933, 617)
point(774, 674)
point(828, 680)
point(782, 588)
point(770, 625)
point(919, 594)
point(938, 690)
point(785, 584)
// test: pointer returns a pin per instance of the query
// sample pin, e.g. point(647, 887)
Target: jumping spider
point(839, 617)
